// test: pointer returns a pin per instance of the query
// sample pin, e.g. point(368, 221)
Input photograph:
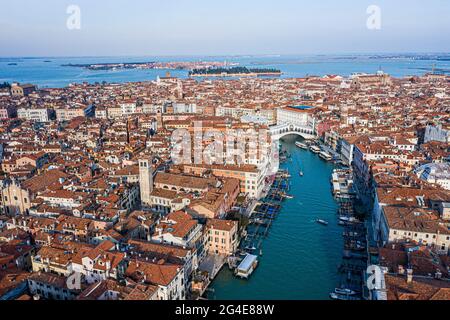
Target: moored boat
point(344, 291)
point(301, 145)
point(336, 296)
point(247, 266)
point(315, 149)
point(348, 219)
point(325, 156)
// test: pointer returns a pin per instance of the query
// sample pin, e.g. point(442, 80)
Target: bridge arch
point(304, 135)
point(281, 131)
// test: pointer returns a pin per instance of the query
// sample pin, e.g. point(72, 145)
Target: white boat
point(323, 222)
point(334, 296)
point(301, 145)
point(344, 291)
point(348, 219)
point(315, 149)
point(247, 266)
point(342, 297)
point(325, 156)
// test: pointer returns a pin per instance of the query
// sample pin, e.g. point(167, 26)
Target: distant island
point(112, 66)
point(424, 57)
point(198, 65)
point(234, 72)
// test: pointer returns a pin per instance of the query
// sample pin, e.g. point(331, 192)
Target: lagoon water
point(49, 72)
point(300, 257)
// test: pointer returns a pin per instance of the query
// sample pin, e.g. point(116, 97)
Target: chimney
point(409, 275)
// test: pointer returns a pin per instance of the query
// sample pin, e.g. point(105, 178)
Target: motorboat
point(336, 296)
point(325, 156)
point(315, 149)
point(247, 266)
point(348, 219)
point(301, 145)
point(344, 291)
point(322, 222)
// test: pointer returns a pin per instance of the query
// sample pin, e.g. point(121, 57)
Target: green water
point(300, 257)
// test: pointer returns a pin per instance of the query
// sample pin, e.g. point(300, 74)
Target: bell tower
point(145, 181)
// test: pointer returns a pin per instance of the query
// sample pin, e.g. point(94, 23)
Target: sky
point(219, 27)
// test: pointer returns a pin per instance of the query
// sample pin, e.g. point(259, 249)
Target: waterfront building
point(409, 213)
point(301, 116)
point(347, 148)
point(222, 236)
point(252, 180)
point(420, 225)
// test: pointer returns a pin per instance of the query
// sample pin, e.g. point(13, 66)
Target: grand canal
point(300, 257)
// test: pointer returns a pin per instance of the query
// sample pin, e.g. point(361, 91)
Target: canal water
point(300, 257)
